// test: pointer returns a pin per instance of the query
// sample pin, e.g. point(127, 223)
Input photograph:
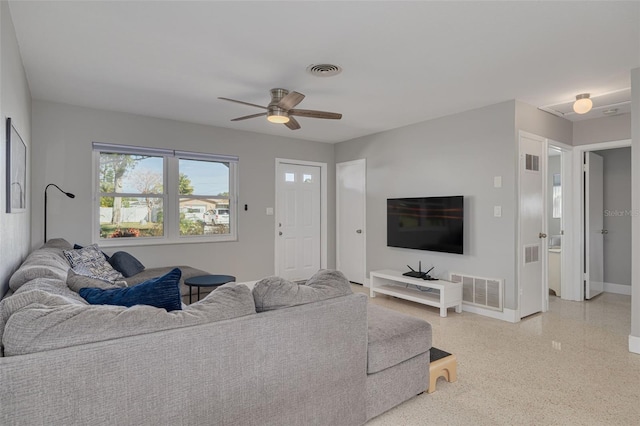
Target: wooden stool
point(443, 364)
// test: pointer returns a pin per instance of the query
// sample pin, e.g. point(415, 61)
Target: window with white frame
point(148, 195)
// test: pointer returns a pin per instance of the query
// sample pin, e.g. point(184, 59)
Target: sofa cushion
point(38, 321)
point(161, 292)
point(90, 261)
point(76, 282)
point(394, 337)
point(45, 286)
point(125, 263)
point(46, 262)
point(276, 292)
point(58, 243)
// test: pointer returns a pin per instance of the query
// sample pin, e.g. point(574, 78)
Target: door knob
point(280, 233)
point(358, 231)
point(604, 231)
point(542, 235)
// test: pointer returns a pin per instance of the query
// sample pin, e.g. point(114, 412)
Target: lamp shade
point(583, 104)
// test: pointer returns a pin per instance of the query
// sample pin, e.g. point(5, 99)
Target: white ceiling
point(404, 62)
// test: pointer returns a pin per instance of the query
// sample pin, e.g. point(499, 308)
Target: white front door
point(298, 217)
point(350, 219)
point(594, 221)
point(532, 239)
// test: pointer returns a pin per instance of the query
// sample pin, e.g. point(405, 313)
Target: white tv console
point(389, 282)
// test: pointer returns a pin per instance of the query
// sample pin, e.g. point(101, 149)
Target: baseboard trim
point(634, 344)
point(617, 288)
point(508, 315)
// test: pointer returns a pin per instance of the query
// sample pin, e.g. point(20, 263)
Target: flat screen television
point(426, 223)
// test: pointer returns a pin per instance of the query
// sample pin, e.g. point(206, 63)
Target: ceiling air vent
point(324, 70)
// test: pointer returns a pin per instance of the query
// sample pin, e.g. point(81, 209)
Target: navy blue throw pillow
point(125, 263)
point(162, 292)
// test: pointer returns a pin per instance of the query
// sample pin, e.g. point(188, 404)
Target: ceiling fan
point(280, 109)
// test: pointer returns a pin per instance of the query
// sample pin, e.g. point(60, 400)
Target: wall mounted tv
point(426, 223)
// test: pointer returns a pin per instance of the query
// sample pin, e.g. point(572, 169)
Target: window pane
point(204, 216)
point(203, 177)
point(128, 173)
point(122, 217)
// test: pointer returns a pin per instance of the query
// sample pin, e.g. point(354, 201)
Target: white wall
point(62, 137)
point(15, 102)
point(614, 128)
point(531, 119)
point(454, 155)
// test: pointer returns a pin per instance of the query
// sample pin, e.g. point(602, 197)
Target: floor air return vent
point(478, 291)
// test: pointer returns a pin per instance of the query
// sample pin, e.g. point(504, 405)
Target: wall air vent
point(324, 70)
point(479, 291)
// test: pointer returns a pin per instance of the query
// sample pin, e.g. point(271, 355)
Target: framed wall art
point(16, 170)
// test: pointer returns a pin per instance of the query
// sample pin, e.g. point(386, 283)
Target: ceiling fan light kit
point(278, 116)
point(280, 109)
point(583, 103)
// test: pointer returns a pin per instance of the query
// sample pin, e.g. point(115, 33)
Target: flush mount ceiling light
point(583, 104)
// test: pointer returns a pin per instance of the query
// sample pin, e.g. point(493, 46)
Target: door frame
point(363, 162)
point(323, 210)
point(576, 288)
point(566, 255)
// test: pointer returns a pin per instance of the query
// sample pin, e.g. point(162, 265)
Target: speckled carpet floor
point(568, 366)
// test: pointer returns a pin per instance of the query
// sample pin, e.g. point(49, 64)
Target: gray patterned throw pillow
point(90, 261)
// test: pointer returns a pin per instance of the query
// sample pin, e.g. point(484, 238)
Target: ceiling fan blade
point(292, 123)
point(291, 100)
point(250, 116)
point(315, 114)
point(243, 103)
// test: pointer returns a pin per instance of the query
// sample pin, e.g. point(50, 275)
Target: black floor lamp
point(68, 194)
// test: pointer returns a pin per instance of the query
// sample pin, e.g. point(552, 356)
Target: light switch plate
point(497, 181)
point(497, 211)
point(269, 211)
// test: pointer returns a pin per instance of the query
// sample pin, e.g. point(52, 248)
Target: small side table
point(207, 281)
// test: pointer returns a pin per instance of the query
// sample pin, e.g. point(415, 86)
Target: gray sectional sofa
point(280, 354)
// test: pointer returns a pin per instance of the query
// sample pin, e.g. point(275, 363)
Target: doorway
point(555, 229)
point(614, 253)
point(301, 217)
point(608, 222)
point(559, 193)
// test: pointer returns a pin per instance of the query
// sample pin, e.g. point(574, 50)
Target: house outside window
point(155, 196)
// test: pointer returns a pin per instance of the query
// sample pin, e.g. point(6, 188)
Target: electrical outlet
point(497, 211)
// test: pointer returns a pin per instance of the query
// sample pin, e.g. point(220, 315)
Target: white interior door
point(298, 220)
point(532, 238)
point(350, 219)
point(594, 221)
